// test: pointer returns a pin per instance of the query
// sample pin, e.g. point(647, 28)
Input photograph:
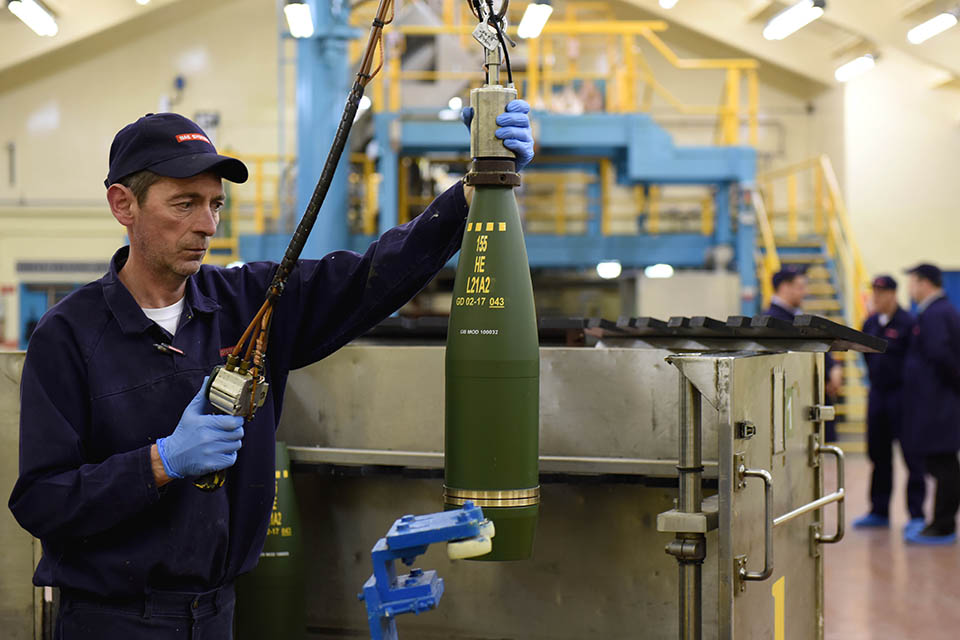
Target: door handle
point(837, 452)
point(764, 475)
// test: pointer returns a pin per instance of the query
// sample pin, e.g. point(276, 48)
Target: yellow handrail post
point(630, 64)
point(606, 183)
point(393, 70)
point(448, 12)
point(792, 206)
point(548, 62)
point(707, 216)
point(640, 201)
point(533, 71)
point(369, 206)
point(752, 106)
point(771, 260)
point(559, 207)
point(818, 200)
point(732, 112)
point(653, 209)
point(610, 93)
point(831, 240)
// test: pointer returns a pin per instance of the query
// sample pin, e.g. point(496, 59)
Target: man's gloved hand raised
point(514, 130)
point(202, 442)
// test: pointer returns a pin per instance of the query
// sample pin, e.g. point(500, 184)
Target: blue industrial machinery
point(388, 595)
point(641, 151)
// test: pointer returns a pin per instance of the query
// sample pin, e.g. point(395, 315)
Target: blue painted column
point(387, 197)
point(323, 81)
point(746, 258)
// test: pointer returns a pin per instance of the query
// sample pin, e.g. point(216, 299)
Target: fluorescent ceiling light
point(658, 271)
point(668, 4)
point(143, 2)
point(609, 269)
point(793, 19)
point(299, 19)
point(854, 68)
point(34, 15)
point(456, 103)
point(932, 27)
point(534, 19)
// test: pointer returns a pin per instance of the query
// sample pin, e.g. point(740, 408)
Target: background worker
point(107, 450)
point(931, 395)
point(885, 409)
point(789, 292)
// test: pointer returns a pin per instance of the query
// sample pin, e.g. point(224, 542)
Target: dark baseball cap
point(884, 282)
point(170, 145)
point(928, 272)
point(787, 274)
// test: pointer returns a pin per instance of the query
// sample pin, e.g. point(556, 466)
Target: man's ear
point(123, 204)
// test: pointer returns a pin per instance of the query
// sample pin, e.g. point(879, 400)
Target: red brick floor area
point(877, 587)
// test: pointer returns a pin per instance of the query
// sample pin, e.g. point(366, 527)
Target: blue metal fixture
point(388, 595)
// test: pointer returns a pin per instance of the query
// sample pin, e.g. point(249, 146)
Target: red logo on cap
point(184, 137)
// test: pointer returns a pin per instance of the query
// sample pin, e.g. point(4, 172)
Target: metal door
point(771, 442)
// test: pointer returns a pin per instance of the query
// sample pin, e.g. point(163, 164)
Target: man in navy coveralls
point(789, 291)
point(931, 399)
point(109, 435)
point(885, 409)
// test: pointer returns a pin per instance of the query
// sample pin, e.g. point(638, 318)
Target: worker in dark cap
point(115, 424)
point(789, 291)
point(885, 409)
point(931, 394)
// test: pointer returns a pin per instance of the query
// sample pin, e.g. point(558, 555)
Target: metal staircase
point(809, 228)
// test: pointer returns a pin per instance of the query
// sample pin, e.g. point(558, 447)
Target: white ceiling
point(848, 28)
point(77, 20)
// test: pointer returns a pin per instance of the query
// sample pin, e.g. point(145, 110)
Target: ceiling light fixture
point(143, 2)
point(854, 68)
point(668, 4)
point(34, 15)
point(932, 27)
point(299, 19)
point(534, 19)
point(793, 19)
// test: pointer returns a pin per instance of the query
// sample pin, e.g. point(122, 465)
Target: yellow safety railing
point(814, 206)
point(558, 202)
point(252, 207)
point(365, 192)
point(770, 263)
point(629, 78)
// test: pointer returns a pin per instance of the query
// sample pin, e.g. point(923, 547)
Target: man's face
point(885, 300)
point(917, 288)
point(172, 230)
point(794, 292)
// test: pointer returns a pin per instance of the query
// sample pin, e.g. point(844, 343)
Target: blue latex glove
point(514, 130)
point(202, 442)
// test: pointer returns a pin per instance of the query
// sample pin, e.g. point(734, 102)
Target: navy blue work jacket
point(886, 369)
point(780, 313)
point(931, 381)
point(96, 394)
